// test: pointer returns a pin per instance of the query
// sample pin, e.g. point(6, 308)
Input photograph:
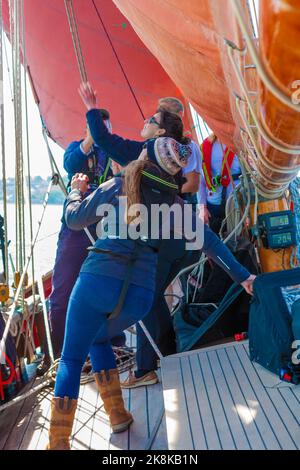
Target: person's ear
point(160, 132)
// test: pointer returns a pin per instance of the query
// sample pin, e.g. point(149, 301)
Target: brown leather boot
point(108, 384)
point(61, 423)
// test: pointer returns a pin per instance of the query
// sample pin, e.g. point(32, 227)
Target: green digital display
point(277, 229)
point(279, 221)
point(281, 239)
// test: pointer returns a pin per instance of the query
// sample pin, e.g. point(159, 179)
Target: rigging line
point(27, 139)
point(254, 6)
point(20, 221)
point(28, 173)
point(55, 170)
point(45, 383)
point(4, 191)
point(46, 321)
point(75, 38)
point(25, 269)
point(54, 167)
point(206, 127)
point(12, 7)
point(118, 60)
point(11, 34)
point(47, 236)
point(8, 69)
point(253, 17)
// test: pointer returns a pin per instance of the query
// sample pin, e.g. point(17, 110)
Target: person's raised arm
point(121, 150)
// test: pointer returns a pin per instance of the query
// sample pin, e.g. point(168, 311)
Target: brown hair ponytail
point(132, 184)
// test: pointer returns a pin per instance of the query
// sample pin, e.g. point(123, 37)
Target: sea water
point(44, 252)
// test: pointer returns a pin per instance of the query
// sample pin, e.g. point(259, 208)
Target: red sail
point(187, 37)
point(128, 79)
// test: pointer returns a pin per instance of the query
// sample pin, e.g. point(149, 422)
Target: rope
point(246, 211)
point(8, 69)
point(46, 383)
point(233, 215)
point(254, 6)
point(19, 161)
point(28, 166)
point(17, 91)
point(118, 60)
point(45, 315)
point(198, 120)
point(54, 167)
point(253, 17)
point(289, 149)
point(25, 269)
point(47, 236)
point(271, 86)
point(260, 178)
point(4, 190)
point(55, 171)
point(268, 194)
point(27, 138)
point(75, 38)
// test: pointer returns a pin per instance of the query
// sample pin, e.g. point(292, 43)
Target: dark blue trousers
point(171, 260)
point(71, 253)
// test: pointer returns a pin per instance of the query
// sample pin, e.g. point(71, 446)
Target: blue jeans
point(70, 255)
point(88, 331)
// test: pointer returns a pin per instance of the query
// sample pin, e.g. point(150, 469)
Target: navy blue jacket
point(76, 161)
point(80, 213)
point(121, 150)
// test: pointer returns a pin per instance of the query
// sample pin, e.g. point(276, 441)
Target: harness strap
point(223, 179)
point(117, 310)
point(227, 162)
point(103, 177)
point(128, 274)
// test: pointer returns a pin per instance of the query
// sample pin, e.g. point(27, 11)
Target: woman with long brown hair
point(116, 284)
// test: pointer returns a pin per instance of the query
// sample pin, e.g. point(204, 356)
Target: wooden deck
point(216, 398)
point(25, 425)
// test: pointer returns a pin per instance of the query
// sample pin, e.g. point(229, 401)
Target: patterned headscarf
point(169, 154)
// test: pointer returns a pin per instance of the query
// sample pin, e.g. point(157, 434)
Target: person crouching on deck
point(116, 285)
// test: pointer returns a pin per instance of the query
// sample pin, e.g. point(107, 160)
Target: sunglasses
point(152, 120)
